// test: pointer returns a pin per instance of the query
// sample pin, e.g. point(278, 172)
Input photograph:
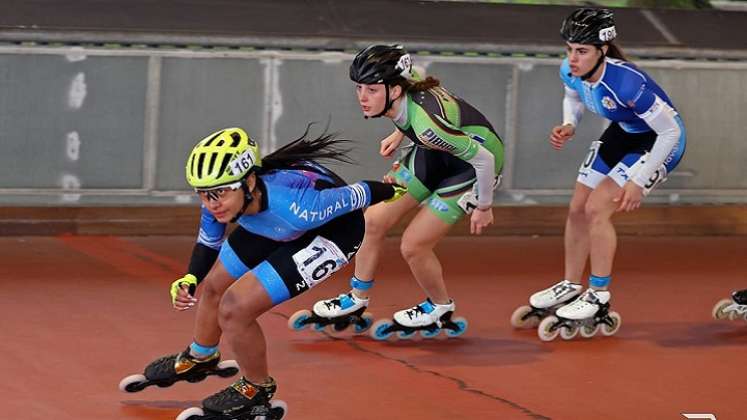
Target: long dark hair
point(327, 146)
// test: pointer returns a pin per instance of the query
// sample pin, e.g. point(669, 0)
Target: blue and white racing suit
point(309, 226)
point(646, 139)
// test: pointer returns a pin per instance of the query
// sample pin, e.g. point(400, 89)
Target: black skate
point(240, 401)
point(166, 370)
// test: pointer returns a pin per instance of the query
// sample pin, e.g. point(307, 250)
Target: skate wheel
point(430, 333)
point(334, 330)
point(297, 321)
point(165, 384)
point(616, 321)
point(545, 329)
point(568, 333)
point(461, 324)
point(364, 324)
point(133, 383)
point(519, 318)
point(192, 413)
point(227, 368)
point(406, 335)
point(588, 331)
point(719, 311)
point(197, 377)
point(379, 329)
point(279, 409)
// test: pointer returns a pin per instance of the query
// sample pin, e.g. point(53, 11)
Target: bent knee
point(411, 248)
point(212, 291)
point(233, 309)
point(596, 211)
point(577, 212)
point(376, 226)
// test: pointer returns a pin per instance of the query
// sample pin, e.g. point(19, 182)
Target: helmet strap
point(387, 105)
point(248, 198)
point(596, 66)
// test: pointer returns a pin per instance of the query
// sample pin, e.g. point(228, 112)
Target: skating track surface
point(78, 313)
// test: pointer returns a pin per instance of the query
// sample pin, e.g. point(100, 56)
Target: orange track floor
point(79, 313)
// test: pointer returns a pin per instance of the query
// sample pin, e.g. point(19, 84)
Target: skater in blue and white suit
point(643, 143)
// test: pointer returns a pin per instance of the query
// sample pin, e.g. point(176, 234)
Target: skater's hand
point(182, 292)
point(480, 219)
point(391, 143)
point(630, 198)
point(561, 134)
point(389, 177)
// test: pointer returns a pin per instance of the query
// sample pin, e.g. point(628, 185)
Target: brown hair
point(419, 86)
point(614, 51)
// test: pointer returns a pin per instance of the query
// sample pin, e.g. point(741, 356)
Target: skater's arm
point(204, 254)
point(313, 208)
point(384, 191)
point(202, 260)
point(183, 290)
point(209, 240)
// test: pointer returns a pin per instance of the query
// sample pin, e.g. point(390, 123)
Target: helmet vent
point(192, 165)
point(224, 164)
point(215, 136)
point(200, 162)
point(211, 165)
point(236, 139)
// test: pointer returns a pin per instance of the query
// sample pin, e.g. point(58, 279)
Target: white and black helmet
point(381, 64)
point(589, 26)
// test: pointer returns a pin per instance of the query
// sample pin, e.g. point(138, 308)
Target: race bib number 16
point(319, 260)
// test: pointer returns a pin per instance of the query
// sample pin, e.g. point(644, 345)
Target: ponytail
point(325, 147)
point(614, 51)
point(417, 86)
point(422, 85)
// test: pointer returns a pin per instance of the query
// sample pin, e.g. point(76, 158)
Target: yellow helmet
point(222, 158)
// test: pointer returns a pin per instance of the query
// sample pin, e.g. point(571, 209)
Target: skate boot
point(588, 314)
point(166, 370)
point(428, 318)
point(336, 314)
point(733, 308)
point(241, 401)
point(544, 303)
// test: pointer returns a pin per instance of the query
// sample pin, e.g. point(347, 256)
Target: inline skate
point(733, 308)
point(167, 370)
point(335, 315)
point(427, 318)
point(242, 400)
point(544, 303)
point(587, 315)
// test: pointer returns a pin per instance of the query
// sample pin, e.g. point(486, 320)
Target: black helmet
point(380, 64)
point(589, 26)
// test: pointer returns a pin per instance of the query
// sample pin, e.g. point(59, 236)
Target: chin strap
point(387, 107)
point(596, 66)
point(248, 198)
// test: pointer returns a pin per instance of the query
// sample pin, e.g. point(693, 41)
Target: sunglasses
point(216, 193)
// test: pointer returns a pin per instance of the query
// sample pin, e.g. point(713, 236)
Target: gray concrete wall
point(114, 126)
